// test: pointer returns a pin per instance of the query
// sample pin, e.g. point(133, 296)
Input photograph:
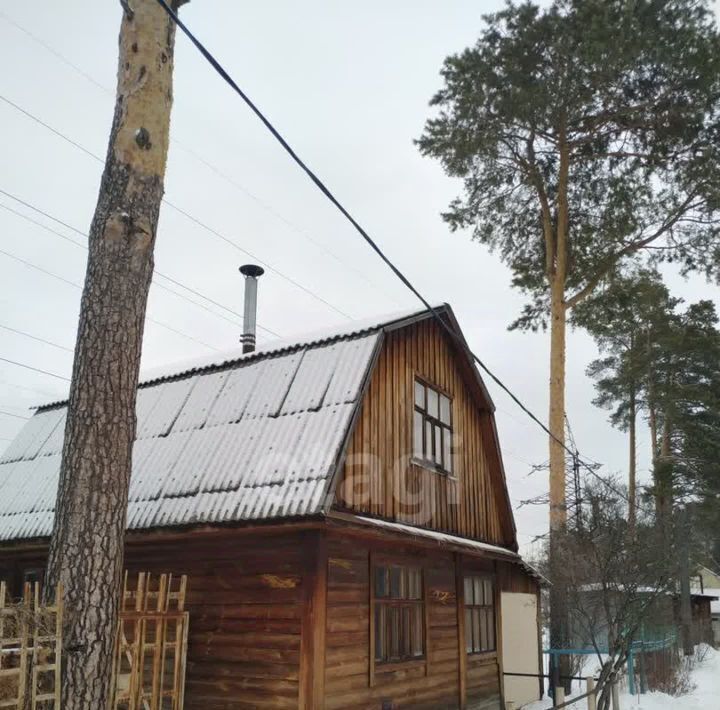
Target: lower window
point(479, 614)
point(399, 614)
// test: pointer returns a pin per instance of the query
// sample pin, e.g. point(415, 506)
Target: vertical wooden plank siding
point(483, 684)
point(312, 633)
point(462, 665)
point(260, 604)
point(469, 503)
point(352, 678)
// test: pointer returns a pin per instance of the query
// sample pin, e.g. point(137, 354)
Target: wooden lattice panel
point(30, 650)
point(152, 643)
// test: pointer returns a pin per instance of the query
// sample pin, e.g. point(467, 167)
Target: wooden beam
point(497, 594)
point(312, 640)
point(462, 655)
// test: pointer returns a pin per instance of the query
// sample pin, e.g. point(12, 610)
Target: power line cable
point(76, 285)
point(35, 369)
point(241, 188)
point(321, 186)
point(53, 51)
point(35, 337)
point(10, 414)
point(187, 215)
point(155, 273)
point(368, 239)
point(331, 197)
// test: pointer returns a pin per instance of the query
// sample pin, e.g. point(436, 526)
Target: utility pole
point(86, 549)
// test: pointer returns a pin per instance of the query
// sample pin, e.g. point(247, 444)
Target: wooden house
point(339, 506)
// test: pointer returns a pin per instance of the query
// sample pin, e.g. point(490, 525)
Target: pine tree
point(585, 133)
point(626, 317)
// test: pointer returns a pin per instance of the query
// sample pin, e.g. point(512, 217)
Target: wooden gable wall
point(378, 477)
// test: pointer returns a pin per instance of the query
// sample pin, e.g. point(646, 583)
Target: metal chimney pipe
point(251, 272)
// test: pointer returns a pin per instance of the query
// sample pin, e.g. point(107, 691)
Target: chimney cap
point(252, 270)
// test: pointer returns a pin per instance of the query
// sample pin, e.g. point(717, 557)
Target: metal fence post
point(631, 672)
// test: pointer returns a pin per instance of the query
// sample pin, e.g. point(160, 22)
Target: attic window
point(432, 427)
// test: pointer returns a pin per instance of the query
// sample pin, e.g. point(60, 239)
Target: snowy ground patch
point(705, 676)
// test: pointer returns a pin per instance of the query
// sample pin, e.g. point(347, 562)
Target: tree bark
point(663, 475)
point(86, 549)
point(558, 509)
point(632, 463)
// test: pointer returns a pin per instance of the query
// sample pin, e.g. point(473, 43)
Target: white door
point(520, 647)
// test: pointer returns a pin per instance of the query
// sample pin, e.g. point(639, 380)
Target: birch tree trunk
point(86, 550)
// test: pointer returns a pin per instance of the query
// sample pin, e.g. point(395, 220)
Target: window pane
point(483, 630)
point(444, 409)
point(395, 581)
point(487, 583)
point(432, 402)
point(420, 394)
point(403, 583)
point(491, 630)
point(414, 586)
point(468, 630)
point(395, 632)
point(417, 631)
point(438, 445)
point(379, 632)
point(381, 583)
point(447, 450)
point(476, 629)
point(406, 642)
point(477, 584)
point(428, 441)
point(468, 591)
point(418, 434)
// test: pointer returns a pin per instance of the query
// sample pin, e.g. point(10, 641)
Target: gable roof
point(239, 437)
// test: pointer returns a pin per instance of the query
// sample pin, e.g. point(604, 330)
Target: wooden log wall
point(245, 598)
point(283, 620)
point(434, 684)
point(379, 478)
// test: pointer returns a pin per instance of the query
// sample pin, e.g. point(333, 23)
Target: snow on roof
point(258, 439)
point(235, 356)
point(447, 539)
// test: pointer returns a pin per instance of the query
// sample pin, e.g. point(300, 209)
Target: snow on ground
point(705, 696)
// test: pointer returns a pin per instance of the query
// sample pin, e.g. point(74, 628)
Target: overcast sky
point(348, 84)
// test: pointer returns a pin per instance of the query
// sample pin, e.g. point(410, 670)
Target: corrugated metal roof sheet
point(243, 438)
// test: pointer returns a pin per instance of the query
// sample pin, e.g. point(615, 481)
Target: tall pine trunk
point(558, 510)
point(556, 419)
point(632, 463)
point(663, 475)
point(86, 550)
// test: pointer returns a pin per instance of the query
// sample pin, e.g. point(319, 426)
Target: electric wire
point(368, 239)
point(223, 176)
point(10, 414)
point(34, 369)
point(156, 272)
point(76, 285)
point(188, 216)
point(328, 194)
point(35, 337)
